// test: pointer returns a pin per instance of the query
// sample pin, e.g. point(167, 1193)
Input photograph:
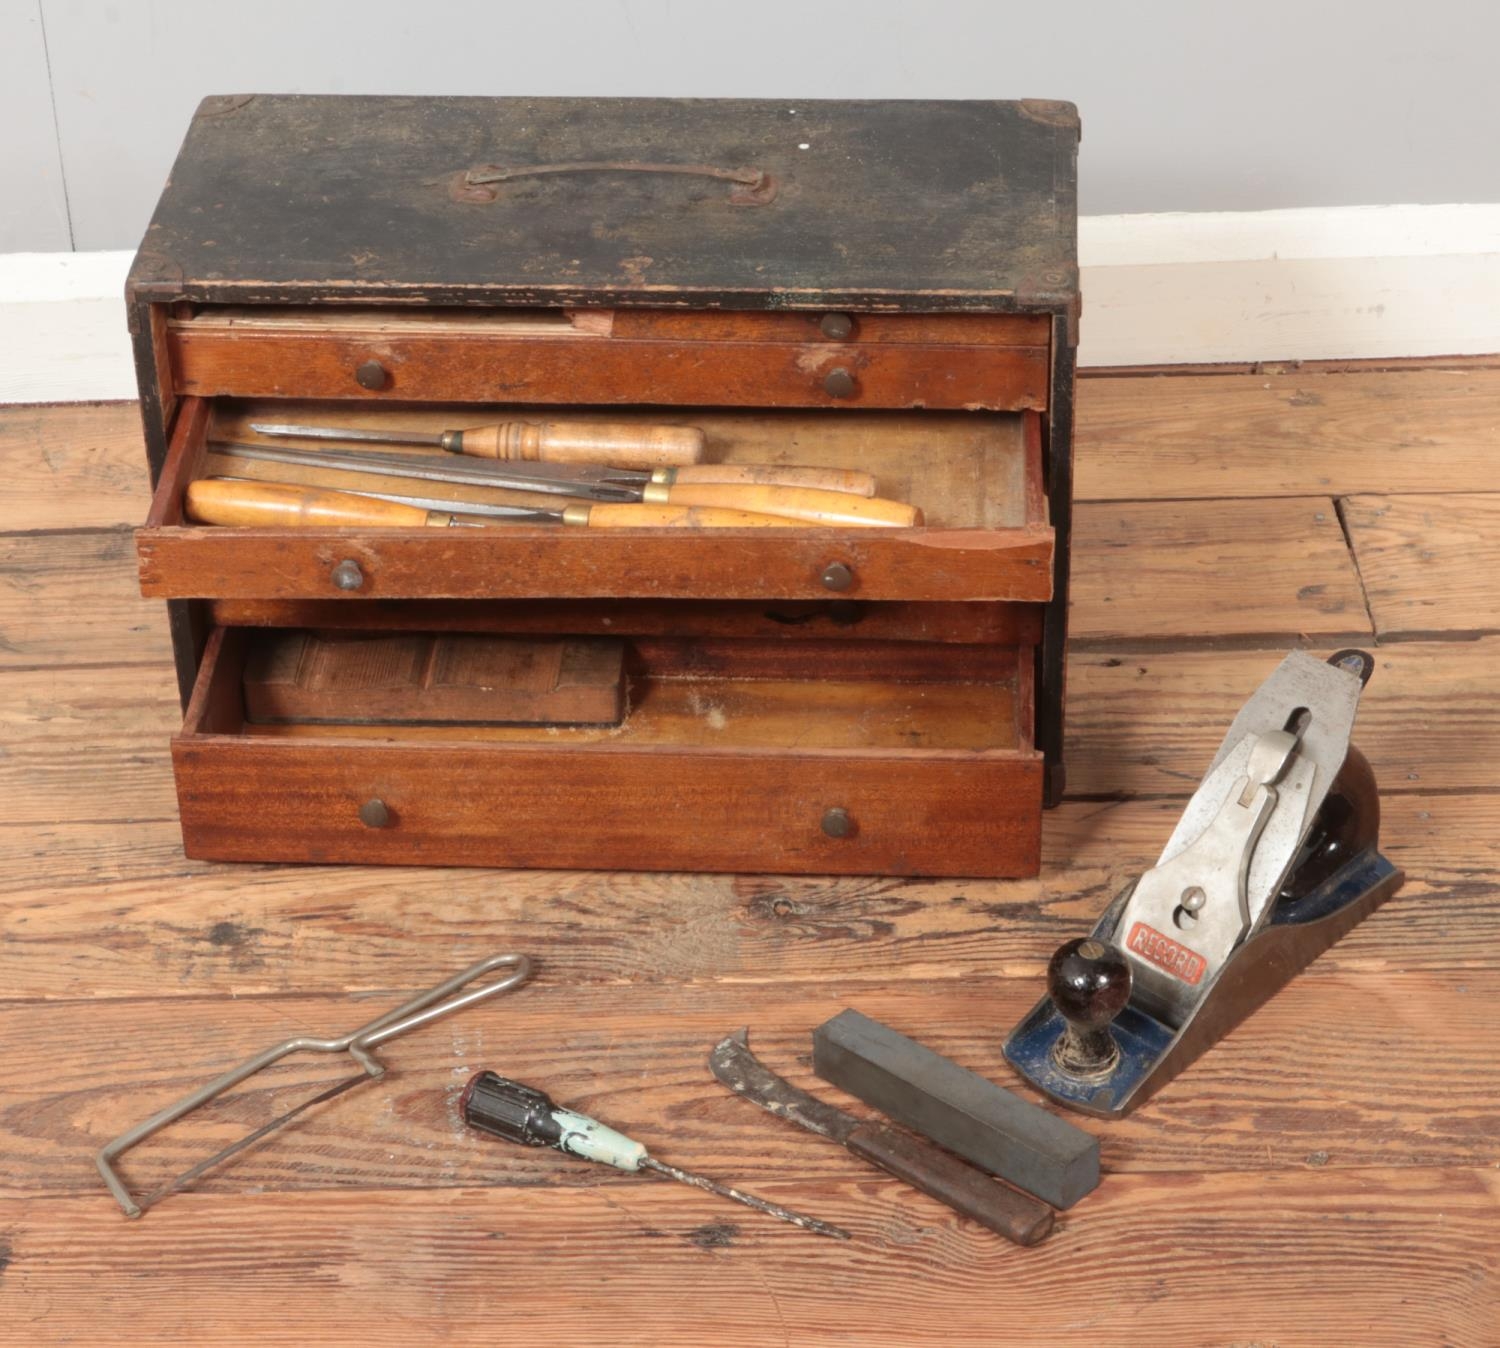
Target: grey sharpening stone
point(958, 1109)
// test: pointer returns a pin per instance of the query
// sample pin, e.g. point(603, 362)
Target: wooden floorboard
point(56, 587)
point(74, 466)
point(1298, 433)
point(1310, 1256)
point(1430, 564)
point(1326, 1174)
point(1259, 1101)
point(1197, 572)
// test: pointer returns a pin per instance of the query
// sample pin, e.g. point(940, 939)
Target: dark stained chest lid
point(903, 205)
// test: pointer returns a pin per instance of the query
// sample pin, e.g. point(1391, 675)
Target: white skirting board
point(1351, 282)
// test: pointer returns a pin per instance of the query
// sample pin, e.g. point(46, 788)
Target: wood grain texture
point(114, 910)
point(1384, 1258)
point(1206, 570)
point(1430, 564)
point(1288, 433)
point(1339, 1148)
point(401, 679)
point(640, 1065)
point(1147, 723)
point(85, 743)
point(462, 368)
point(74, 466)
point(251, 798)
point(55, 586)
point(820, 621)
point(526, 561)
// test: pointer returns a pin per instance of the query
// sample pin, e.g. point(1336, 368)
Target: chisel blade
point(544, 480)
point(362, 434)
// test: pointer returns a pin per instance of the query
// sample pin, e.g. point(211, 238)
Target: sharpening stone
point(957, 1109)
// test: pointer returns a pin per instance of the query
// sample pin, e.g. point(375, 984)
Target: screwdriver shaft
point(749, 1200)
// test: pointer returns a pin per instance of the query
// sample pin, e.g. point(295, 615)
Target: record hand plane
point(1272, 861)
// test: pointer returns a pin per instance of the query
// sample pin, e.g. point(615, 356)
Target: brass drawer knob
point(375, 814)
point(838, 822)
point(347, 575)
point(836, 327)
point(371, 374)
point(837, 576)
point(839, 383)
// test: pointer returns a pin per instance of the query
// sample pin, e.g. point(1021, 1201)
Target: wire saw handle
point(420, 1010)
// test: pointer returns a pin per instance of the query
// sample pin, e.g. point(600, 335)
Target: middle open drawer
point(976, 477)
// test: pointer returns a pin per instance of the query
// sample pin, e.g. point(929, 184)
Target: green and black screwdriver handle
point(524, 1115)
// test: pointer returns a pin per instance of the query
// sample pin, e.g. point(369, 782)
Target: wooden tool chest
point(889, 286)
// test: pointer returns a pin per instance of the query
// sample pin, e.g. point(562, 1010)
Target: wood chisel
point(1007, 1212)
point(522, 1114)
point(812, 505)
point(854, 481)
point(624, 444)
point(236, 503)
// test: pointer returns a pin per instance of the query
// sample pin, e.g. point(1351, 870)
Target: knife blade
point(939, 1174)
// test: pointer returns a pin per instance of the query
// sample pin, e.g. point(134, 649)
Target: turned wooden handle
point(963, 1187)
point(617, 444)
point(851, 481)
point(213, 500)
point(673, 517)
point(798, 503)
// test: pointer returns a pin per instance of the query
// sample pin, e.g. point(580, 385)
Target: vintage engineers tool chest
point(887, 286)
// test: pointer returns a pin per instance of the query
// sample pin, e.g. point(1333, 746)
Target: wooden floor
point(1329, 1174)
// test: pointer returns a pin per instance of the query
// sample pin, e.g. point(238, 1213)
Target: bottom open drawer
point(806, 757)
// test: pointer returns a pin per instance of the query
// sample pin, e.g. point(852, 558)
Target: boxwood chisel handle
point(242, 504)
point(674, 517)
point(620, 444)
point(964, 1188)
point(851, 481)
point(522, 1114)
point(801, 503)
point(212, 500)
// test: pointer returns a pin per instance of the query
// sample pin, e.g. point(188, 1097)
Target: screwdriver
point(622, 444)
point(519, 1113)
point(240, 504)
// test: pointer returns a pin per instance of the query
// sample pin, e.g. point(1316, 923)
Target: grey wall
point(1188, 105)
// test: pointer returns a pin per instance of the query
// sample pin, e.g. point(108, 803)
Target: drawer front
point(498, 805)
point(995, 362)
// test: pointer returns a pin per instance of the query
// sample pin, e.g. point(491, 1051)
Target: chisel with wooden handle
point(808, 504)
point(623, 444)
point(239, 504)
point(853, 481)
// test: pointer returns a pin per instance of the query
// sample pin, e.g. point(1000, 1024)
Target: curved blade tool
point(937, 1173)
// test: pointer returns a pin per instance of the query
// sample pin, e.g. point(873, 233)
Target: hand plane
point(1272, 861)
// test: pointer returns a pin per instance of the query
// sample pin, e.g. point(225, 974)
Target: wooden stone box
point(878, 285)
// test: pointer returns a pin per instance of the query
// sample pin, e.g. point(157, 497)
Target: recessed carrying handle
point(747, 186)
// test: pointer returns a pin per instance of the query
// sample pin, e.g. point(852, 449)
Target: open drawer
point(706, 357)
point(867, 758)
point(976, 476)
